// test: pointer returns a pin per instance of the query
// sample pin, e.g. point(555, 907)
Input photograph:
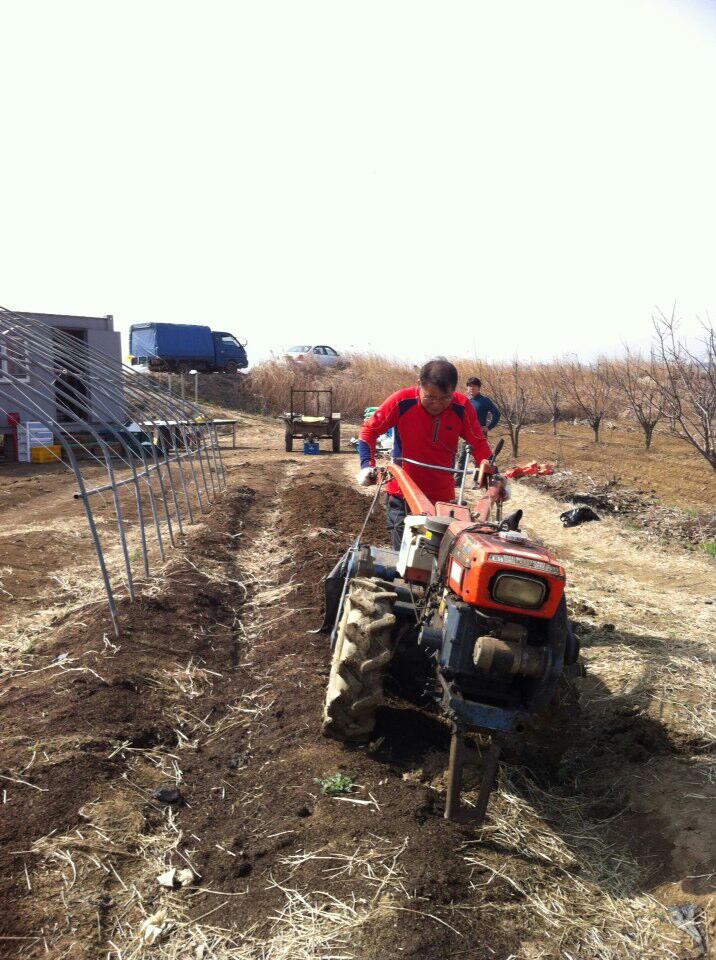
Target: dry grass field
point(671, 469)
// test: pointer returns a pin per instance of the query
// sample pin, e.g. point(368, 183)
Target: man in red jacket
point(428, 421)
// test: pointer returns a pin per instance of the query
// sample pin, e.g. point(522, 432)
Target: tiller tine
point(453, 809)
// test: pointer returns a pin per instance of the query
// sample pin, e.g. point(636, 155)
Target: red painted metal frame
point(493, 495)
point(419, 503)
point(470, 574)
point(414, 496)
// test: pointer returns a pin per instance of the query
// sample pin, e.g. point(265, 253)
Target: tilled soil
point(214, 690)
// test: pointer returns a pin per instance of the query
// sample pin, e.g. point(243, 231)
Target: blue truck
point(181, 347)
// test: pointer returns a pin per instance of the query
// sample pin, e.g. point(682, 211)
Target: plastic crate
point(50, 454)
point(311, 447)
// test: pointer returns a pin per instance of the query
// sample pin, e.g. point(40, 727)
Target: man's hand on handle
point(366, 477)
point(484, 472)
point(492, 476)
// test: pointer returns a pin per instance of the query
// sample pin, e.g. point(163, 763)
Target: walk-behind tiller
point(485, 604)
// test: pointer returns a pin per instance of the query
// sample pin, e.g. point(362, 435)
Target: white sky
point(415, 178)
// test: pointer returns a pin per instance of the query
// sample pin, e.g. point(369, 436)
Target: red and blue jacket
point(420, 436)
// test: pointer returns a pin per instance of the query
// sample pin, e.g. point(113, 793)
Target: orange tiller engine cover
point(475, 559)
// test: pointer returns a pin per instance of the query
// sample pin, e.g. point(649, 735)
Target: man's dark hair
point(474, 382)
point(439, 373)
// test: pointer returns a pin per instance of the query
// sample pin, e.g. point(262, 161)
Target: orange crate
point(49, 454)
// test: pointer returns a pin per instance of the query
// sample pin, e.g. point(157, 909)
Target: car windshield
point(298, 349)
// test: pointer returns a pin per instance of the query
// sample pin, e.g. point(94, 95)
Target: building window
point(14, 358)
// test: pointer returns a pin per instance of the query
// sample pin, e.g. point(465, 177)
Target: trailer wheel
point(182, 367)
point(337, 440)
point(364, 648)
point(289, 439)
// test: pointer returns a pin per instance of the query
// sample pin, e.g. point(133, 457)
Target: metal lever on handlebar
point(468, 454)
point(430, 466)
point(495, 453)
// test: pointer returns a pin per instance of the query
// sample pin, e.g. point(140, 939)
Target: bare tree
point(550, 391)
point(687, 383)
point(509, 389)
point(638, 380)
point(590, 388)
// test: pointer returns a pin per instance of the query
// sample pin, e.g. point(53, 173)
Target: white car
point(326, 356)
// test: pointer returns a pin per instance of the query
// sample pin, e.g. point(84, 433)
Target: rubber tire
point(231, 367)
point(289, 440)
point(364, 648)
point(337, 440)
point(183, 367)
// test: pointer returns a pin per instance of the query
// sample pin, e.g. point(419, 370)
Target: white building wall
point(39, 387)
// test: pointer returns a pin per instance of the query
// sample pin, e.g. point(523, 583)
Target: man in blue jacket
point(484, 407)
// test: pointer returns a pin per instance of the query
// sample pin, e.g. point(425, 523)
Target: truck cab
point(230, 353)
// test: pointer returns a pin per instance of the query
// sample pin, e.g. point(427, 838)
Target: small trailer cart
point(312, 418)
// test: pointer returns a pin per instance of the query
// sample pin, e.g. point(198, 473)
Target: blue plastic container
point(310, 446)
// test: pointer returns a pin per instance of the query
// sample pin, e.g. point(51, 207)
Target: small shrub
point(336, 783)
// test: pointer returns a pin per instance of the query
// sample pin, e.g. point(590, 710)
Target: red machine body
point(478, 553)
point(477, 557)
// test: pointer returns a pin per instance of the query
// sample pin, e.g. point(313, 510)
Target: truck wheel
point(337, 440)
point(183, 367)
point(364, 648)
point(231, 367)
point(289, 440)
